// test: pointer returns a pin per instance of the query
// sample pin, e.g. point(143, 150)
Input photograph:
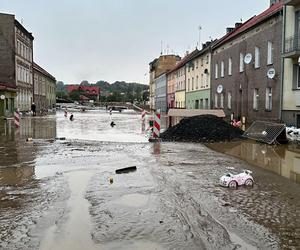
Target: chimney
point(229, 29)
point(272, 2)
point(238, 25)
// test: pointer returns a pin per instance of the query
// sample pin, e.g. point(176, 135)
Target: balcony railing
point(292, 44)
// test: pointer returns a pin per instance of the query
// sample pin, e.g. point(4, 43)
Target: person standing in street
point(33, 109)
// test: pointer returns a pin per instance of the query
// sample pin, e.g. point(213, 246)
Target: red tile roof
point(184, 60)
point(90, 90)
point(274, 9)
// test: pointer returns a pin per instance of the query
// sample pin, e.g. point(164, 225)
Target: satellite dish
point(220, 89)
point(271, 73)
point(2, 97)
point(248, 58)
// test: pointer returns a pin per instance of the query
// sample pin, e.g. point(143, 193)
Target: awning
point(195, 112)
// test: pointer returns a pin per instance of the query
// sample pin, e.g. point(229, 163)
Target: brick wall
point(7, 47)
point(242, 85)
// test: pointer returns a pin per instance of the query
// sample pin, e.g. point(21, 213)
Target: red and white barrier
point(17, 118)
point(156, 127)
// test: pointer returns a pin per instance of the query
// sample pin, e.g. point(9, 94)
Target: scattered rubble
point(203, 128)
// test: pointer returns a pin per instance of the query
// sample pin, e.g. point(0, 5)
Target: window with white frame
point(230, 66)
point(216, 100)
point(268, 98)
point(255, 99)
point(216, 70)
point(222, 69)
point(257, 57)
point(189, 84)
point(229, 100)
point(241, 62)
point(222, 100)
point(270, 53)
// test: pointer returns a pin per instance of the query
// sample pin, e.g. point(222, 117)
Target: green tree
point(75, 95)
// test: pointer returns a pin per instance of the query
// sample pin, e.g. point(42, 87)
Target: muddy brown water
point(56, 194)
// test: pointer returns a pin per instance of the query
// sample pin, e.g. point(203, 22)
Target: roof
point(184, 60)
point(255, 20)
point(41, 70)
point(91, 90)
point(195, 112)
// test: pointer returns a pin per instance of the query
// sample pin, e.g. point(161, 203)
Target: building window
point(222, 69)
point(241, 62)
point(222, 101)
point(255, 99)
point(202, 85)
point(216, 70)
point(257, 57)
point(196, 64)
point(207, 59)
point(197, 82)
point(189, 84)
point(269, 99)
point(270, 53)
point(230, 66)
point(202, 61)
point(229, 100)
point(216, 100)
point(298, 77)
point(201, 103)
point(206, 103)
point(192, 83)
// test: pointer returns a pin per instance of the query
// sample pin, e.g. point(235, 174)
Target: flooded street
point(57, 194)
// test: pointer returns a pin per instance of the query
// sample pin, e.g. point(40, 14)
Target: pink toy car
point(233, 181)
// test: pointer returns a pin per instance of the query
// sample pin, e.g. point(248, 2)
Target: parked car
point(233, 181)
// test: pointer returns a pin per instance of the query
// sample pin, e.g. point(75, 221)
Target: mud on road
point(57, 195)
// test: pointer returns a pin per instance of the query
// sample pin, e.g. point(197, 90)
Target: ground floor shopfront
point(198, 99)
point(7, 102)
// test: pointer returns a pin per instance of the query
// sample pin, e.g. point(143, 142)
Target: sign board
point(220, 89)
point(271, 73)
point(2, 97)
point(248, 58)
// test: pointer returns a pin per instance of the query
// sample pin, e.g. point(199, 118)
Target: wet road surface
point(56, 194)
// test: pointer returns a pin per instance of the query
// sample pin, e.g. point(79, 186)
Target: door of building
point(1, 107)
point(240, 104)
point(298, 121)
point(197, 104)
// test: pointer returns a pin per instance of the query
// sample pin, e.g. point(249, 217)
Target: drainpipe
point(282, 64)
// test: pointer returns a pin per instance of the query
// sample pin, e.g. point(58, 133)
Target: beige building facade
point(291, 64)
point(44, 89)
point(157, 67)
point(24, 67)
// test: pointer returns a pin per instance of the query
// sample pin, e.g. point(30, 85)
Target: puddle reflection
point(17, 156)
point(282, 159)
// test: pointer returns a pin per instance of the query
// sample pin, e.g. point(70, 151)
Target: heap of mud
point(203, 128)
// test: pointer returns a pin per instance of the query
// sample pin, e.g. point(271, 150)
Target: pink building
point(171, 80)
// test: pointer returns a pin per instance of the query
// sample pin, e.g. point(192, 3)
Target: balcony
point(292, 46)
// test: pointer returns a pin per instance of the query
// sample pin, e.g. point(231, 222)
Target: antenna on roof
point(199, 42)
point(241, 20)
point(161, 47)
point(168, 49)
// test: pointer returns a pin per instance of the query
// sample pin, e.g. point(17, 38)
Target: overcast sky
point(116, 39)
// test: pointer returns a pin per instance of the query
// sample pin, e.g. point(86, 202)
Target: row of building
point(252, 71)
point(22, 81)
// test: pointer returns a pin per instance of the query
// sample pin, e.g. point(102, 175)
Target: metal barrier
point(266, 132)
